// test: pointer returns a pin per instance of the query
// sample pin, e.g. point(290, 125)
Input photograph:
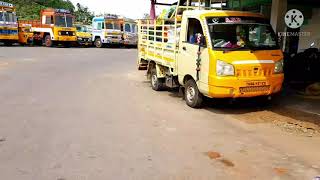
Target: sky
point(129, 8)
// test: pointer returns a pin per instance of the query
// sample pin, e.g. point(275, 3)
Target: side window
point(99, 25)
point(194, 28)
point(49, 20)
point(127, 28)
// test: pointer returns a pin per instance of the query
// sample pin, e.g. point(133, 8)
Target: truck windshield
point(8, 17)
point(64, 21)
point(243, 36)
point(82, 29)
point(116, 26)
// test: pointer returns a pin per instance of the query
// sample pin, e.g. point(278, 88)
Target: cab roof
point(213, 12)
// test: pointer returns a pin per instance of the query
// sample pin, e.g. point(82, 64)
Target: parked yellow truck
point(84, 35)
point(212, 53)
point(8, 24)
point(54, 27)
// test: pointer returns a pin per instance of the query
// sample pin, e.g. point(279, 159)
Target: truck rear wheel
point(156, 83)
point(192, 94)
point(98, 43)
point(48, 42)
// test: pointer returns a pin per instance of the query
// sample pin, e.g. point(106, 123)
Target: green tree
point(83, 14)
point(30, 9)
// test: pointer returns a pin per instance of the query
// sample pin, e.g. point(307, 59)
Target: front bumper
point(110, 40)
point(9, 37)
point(66, 38)
point(129, 42)
point(233, 87)
point(85, 42)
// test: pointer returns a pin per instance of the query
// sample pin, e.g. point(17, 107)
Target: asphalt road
point(88, 114)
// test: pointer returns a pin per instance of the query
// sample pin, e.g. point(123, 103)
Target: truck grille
point(66, 33)
point(254, 89)
point(254, 73)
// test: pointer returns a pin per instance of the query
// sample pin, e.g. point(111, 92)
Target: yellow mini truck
point(84, 35)
point(212, 53)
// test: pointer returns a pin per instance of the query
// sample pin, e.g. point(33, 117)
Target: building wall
point(312, 26)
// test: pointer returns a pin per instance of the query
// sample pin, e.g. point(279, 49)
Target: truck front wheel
point(98, 43)
point(192, 94)
point(48, 41)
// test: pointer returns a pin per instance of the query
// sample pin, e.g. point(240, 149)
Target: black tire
point(67, 45)
point(98, 43)
point(156, 83)
point(192, 95)
point(47, 41)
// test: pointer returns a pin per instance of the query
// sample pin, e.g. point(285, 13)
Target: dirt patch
point(217, 156)
point(227, 162)
point(280, 171)
point(213, 155)
point(290, 120)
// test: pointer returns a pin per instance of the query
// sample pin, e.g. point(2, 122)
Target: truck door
point(188, 52)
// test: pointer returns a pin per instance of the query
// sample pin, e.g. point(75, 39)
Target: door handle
point(184, 48)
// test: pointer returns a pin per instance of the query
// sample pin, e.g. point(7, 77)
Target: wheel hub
point(190, 93)
point(154, 80)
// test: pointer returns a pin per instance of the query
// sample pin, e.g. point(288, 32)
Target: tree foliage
point(30, 9)
point(83, 14)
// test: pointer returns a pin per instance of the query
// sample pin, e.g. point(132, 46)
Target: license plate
point(256, 83)
point(254, 89)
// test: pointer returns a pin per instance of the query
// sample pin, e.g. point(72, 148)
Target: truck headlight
point(59, 33)
point(73, 33)
point(278, 68)
point(80, 39)
point(224, 69)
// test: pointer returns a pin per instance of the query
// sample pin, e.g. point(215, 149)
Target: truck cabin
point(129, 29)
point(57, 17)
point(7, 13)
point(129, 26)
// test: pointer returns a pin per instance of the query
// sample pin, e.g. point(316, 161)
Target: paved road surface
point(87, 114)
